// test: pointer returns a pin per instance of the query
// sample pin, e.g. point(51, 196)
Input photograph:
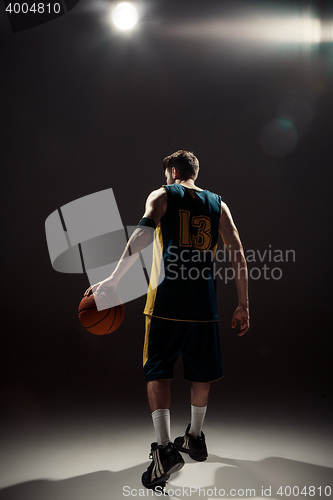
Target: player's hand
point(105, 286)
point(242, 315)
point(91, 290)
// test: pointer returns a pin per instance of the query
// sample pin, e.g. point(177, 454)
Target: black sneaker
point(166, 460)
point(194, 446)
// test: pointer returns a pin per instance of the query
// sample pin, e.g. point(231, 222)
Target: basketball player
point(181, 313)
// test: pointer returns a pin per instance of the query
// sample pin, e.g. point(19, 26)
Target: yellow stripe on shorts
point(145, 347)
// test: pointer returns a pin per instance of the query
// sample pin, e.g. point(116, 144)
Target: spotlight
point(125, 16)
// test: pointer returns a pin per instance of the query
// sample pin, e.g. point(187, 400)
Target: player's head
point(182, 165)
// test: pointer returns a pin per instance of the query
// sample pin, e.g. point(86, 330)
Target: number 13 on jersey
point(202, 225)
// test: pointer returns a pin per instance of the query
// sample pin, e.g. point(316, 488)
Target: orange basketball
point(101, 322)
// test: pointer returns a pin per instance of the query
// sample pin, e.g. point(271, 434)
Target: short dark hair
point(185, 161)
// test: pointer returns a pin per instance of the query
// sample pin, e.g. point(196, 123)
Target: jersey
point(187, 235)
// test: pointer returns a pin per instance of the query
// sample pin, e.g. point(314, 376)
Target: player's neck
point(189, 183)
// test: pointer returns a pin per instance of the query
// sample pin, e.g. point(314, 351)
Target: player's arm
point(142, 236)
point(233, 243)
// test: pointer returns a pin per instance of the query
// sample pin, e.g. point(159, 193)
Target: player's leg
point(202, 365)
point(199, 402)
point(193, 442)
point(159, 394)
point(200, 393)
point(160, 353)
point(163, 344)
point(159, 398)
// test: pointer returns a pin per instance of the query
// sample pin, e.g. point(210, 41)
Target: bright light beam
point(327, 31)
point(305, 30)
point(124, 16)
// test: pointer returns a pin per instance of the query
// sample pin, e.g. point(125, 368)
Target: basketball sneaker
point(194, 446)
point(165, 460)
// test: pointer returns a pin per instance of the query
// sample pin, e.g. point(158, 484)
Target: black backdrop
point(84, 109)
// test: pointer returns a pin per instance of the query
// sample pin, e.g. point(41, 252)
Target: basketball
point(101, 322)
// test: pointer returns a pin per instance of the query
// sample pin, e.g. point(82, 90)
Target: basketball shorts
point(198, 343)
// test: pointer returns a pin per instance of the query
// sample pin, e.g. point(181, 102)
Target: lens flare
point(279, 137)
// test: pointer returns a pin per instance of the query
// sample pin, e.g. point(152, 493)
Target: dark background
point(85, 108)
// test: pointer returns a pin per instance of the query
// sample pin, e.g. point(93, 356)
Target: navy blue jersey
point(188, 236)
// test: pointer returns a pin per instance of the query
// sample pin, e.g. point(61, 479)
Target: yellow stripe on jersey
point(155, 271)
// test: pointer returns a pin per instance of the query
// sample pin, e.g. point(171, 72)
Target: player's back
point(188, 235)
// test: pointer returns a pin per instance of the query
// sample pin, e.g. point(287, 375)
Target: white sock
point(161, 421)
point(197, 417)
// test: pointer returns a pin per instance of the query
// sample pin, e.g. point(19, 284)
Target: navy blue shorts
point(197, 342)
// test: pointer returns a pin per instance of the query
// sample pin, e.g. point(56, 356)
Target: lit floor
point(103, 459)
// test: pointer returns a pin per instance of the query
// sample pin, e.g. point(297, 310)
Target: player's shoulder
point(225, 211)
point(158, 193)
point(157, 199)
point(224, 206)
point(214, 196)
